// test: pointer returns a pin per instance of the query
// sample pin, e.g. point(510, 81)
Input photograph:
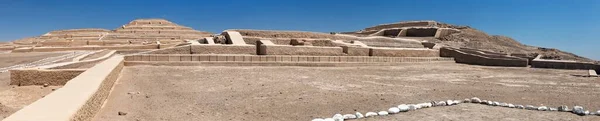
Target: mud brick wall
point(356, 51)
point(400, 25)
point(224, 49)
point(469, 56)
point(558, 64)
point(300, 50)
point(403, 52)
point(56, 77)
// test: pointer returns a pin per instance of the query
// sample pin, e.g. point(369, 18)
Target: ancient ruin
point(155, 69)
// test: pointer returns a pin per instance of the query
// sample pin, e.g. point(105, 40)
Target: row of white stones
point(579, 110)
point(45, 61)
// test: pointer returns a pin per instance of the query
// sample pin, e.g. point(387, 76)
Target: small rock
point(337, 117)
point(350, 116)
point(520, 106)
point(359, 115)
point(393, 110)
point(598, 113)
point(542, 108)
point(433, 103)
point(414, 107)
point(329, 119)
point(503, 104)
point(53, 89)
point(441, 103)
point(495, 103)
point(403, 108)
point(564, 108)
point(456, 102)
point(475, 100)
point(122, 113)
point(383, 113)
point(579, 110)
point(484, 102)
point(449, 102)
point(511, 105)
point(552, 109)
point(46, 85)
point(466, 100)
point(370, 114)
point(490, 103)
point(530, 107)
point(318, 119)
point(425, 105)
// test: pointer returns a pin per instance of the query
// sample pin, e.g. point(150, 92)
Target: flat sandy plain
point(215, 93)
point(13, 98)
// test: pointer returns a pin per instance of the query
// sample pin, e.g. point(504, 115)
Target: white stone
point(475, 100)
point(441, 103)
point(598, 113)
point(329, 119)
point(393, 110)
point(495, 103)
point(383, 113)
point(338, 117)
point(503, 104)
point(552, 109)
point(542, 108)
point(456, 102)
point(530, 107)
point(449, 102)
point(318, 119)
point(484, 102)
point(403, 108)
point(579, 110)
point(520, 106)
point(370, 114)
point(350, 116)
point(466, 100)
point(564, 108)
point(511, 105)
point(359, 115)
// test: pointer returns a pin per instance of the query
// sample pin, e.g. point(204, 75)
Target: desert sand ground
point(13, 98)
point(303, 93)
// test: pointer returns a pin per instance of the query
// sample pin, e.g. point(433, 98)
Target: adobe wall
point(187, 49)
point(56, 77)
point(78, 100)
point(479, 58)
point(300, 50)
point(403, 52)
point(421, 32)
point(442, 32)
point(223, 49)
point(128, 47)
point(356, 51)
point(192, 59)
point(561, 64)
point(403, 24)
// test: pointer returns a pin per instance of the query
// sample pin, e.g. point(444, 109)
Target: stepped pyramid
point(135, 32)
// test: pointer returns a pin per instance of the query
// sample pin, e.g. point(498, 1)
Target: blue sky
point(570, 25)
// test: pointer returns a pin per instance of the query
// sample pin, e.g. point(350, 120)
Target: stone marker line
point(579, 110)
point(45, 61)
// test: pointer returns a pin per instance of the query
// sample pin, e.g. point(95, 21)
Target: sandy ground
point(304, 93)
point(14, 99)
point(96, 55)
point(10, 59)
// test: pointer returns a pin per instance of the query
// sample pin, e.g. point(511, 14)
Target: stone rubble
point(579, 110)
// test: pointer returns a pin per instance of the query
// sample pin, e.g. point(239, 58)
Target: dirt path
point(304, 93)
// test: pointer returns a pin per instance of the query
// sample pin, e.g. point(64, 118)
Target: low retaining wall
point(561, 64)
point(356, 51)
point(25, 77)
point(480, 58)
point(52, 49)
point(223, 49)
point(79, 99)
point(277, 58)
point(403, 52)
point(299, 50)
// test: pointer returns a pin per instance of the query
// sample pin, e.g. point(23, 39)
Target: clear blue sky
point(570, 25)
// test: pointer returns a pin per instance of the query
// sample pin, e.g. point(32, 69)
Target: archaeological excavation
point(155, 69)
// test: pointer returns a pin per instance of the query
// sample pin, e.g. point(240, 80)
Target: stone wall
point(56, 77)
point(299, 50)
point(187, 49)
point(403, 52)
point(277, 58)
point(223, 49)
point(469, 56)
point(442, 32)
point(421, 32)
